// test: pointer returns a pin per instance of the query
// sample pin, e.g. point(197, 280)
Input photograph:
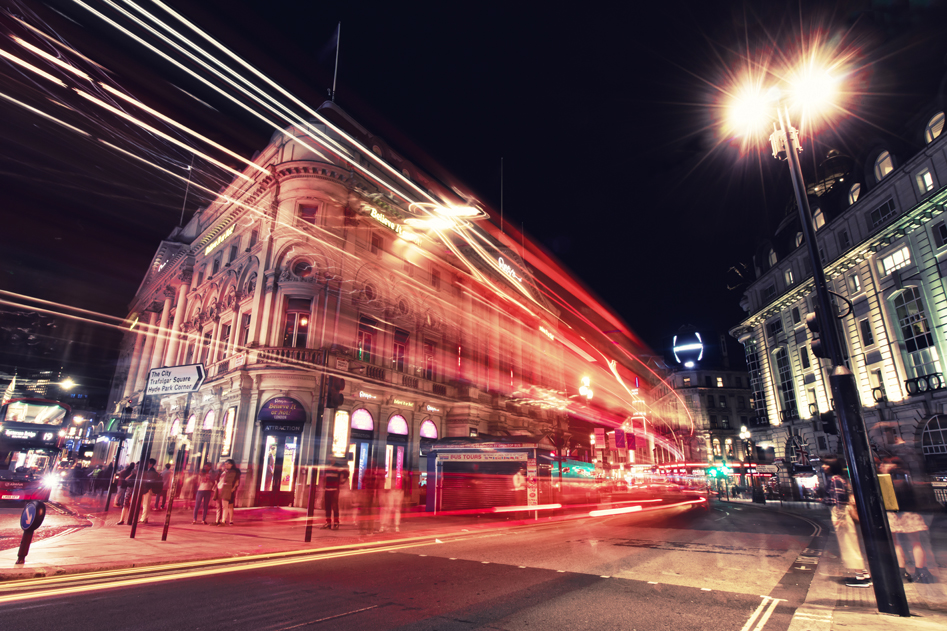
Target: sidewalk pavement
point(833, 606)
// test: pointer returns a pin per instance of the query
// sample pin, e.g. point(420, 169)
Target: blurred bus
point(31, 438)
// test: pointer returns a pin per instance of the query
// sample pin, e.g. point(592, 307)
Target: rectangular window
point(882, 214)
point(788, 276)
point(787, 393)
point(925, 181)
point(224, 342)
point(719, 382)
point(366, 336)
point(768, 293)
point(205, 348)
point(711, 401)
point(708, 381)
point(723, 400)
point(822, 254)
point(823, 445)
point(254, 237)
point(868, 338)
point(854, 284)
point(713, 421)
point(216, 267)
point(896, 260)
point(408, 268)
point(741, 402)
point(804, 357)
point(844, 241)
point(296, 322)
point(435, 278)
point(775, 327)
point(233, 253)
point(200, 276)
point(376, 244)
point(244, 329)
point(725, 424)
point(796, 318)
point(400, 351)
point(687, 381)
point(940, 234)
point(307, 213)
point(430, 366)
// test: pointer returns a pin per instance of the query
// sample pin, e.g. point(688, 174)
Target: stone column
point(175, 336)
point(161, 343)
point(135, 360)
point(146, 352)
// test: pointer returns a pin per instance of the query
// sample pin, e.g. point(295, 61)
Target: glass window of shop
point(361, 446)
point(395, 449)
point(281, 422)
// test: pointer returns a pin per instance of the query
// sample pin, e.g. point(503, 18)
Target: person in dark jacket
point(150, 487)
point(334, 477)
point(906, 523)
point(227, 486)
point(124, 480)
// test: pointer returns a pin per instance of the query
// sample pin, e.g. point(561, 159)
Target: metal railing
point(924, 383)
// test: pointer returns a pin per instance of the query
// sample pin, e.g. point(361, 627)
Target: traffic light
point(815, 322)
point(829, 424)
point(334, 398)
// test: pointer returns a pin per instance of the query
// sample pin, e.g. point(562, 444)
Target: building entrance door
point(278, 469)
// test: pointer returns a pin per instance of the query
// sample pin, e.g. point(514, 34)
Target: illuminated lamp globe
point(688, 347)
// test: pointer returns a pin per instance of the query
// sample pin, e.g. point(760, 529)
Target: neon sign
point(547, 333)
point(508, 270)
point(223, 237)
point(365, 395)
point(388, 223)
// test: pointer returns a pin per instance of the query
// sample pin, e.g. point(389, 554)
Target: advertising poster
point(532, 484)
point(619, 439)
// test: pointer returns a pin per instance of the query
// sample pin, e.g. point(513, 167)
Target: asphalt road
point(688, 569)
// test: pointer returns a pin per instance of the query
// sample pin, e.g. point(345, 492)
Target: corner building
point(882, 236)
point(337, 320)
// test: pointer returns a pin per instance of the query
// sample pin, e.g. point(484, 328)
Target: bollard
point(32, 518)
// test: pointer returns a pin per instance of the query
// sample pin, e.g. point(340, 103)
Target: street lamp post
point(882, 562)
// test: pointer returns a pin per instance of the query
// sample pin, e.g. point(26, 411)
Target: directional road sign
point(766, 468)
point(175, 379)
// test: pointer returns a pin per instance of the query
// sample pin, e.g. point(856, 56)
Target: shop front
point(361, 446)
point(281, 424)
point(396, 448)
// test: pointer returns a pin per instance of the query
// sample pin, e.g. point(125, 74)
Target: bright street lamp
point(810, 90)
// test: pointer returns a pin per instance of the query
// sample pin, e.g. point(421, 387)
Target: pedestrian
point(124, 481)
point(217, 502)
point(519, 489)
point(150, 485)
point(227, 491)
point(843, 520)
point(393, 499)
point(366, 501)
point(162, 495)
point(906, 523)
point(333, 485)
point(206, 481)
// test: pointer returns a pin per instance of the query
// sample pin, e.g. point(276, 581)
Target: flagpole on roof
point(335, 73)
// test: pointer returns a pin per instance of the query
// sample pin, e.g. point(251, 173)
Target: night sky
point(604, 114)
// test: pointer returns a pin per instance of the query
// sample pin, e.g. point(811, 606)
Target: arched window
point(934, 438)
point(798, 239)
point(884, 165)
point(176, 426)
point(362, 419)
point(398, 425)
point(729, 444)
point(771, 257)
point(716, 445)
point(818, 219)
point(191, 422)
point(209, 420)
point(916, 332)
point(935, 126)
point(854, 193)
point(428, 429)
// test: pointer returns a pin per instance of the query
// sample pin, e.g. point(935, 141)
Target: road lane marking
point(756, 613)
point(348, 613)
point(769, 612)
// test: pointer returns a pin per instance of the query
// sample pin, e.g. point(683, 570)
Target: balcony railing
point(924, 383)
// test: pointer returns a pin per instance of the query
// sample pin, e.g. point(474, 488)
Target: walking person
point(150, 484)
point(161, 499)
point(843, 520)
point(906, 523)
point(124, 479)
point(394, 498)
point(227, 491)
point(206, 481)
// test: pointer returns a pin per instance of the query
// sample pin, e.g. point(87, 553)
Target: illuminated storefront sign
point(228, 431)
point(340, 431)
point(367, 395)
point(547, 333)
point(401, 403)
point(508, 270)
point(220, 239)
point(388, 223)
point(431, 408)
